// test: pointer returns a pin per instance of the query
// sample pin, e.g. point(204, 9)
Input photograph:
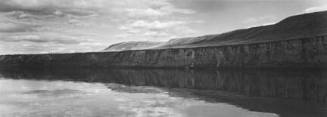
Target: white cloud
point(156, 30)
point(315, 9)
point(156, 34)
point(155, 8)
point(154, 20)
point(155, 24)
point(144, 12)
point(40, 39)
point(100, 21)
point(260, 21)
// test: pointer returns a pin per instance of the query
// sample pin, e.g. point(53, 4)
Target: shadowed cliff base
point(292, 93)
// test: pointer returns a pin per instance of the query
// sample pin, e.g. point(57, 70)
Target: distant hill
point(299, 26)
point(134, 45)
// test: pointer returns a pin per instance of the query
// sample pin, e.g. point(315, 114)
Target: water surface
point(162, 93)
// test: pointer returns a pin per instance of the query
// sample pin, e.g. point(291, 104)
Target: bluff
point(296, 42)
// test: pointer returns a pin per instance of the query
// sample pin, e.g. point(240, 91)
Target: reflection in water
point(179, 93)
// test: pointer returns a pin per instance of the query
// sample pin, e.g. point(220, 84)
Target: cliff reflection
point(298, 93)
point(304, 85)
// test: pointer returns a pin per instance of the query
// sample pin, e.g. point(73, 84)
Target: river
point(162, 93)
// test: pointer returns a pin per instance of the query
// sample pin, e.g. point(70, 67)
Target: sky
point(64, 26)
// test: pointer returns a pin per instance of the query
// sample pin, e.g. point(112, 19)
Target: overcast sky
point(43, 26)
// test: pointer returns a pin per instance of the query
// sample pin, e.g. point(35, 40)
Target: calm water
point(162, 93)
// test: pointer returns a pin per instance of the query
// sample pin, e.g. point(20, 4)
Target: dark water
point(162, 93)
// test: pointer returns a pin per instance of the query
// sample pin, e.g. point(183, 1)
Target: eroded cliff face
point(308, 52)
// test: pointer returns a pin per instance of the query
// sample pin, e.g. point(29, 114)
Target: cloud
point(8, 27)
point(39, 39)
point(144, 12)
point(34, 43)
point(260, 21)
point(45, 7)
point(165, 10)
point(88, 7)
point(156, 30)
point(155, 25)
point(154, 20)
point(315, 9)
point(71, 24)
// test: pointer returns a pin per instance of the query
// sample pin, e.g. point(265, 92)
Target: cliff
point(296, 53)
point(296, 42)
